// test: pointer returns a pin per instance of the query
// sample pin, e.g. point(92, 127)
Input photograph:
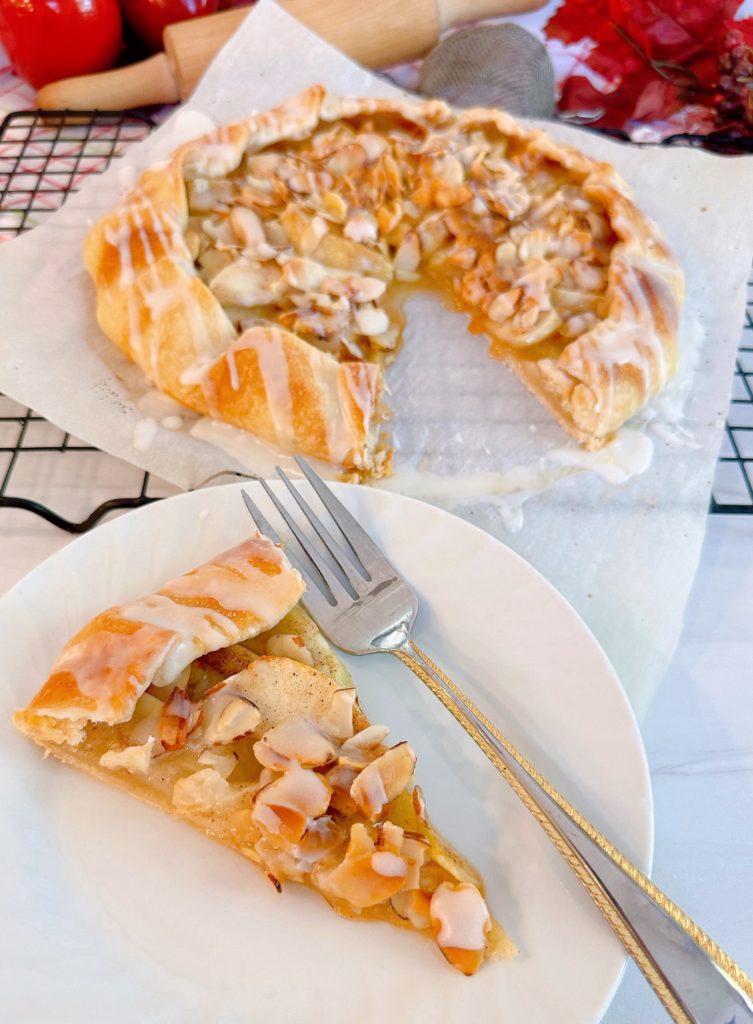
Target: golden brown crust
point(103, 670)
point(272, 382)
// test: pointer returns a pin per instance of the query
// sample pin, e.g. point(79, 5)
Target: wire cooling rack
point(46, 157)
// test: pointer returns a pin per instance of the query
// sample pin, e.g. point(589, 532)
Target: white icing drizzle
point(100, 668)
point(269, 345)
point(197, 629)
point(359, 384)
point(103, 662)
point(144, 434)
point(235, 584)
point(462, 915)
point(627, 456)
point(120, 239)
point(341, 438)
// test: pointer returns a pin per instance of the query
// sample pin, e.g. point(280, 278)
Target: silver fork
point(364, 606)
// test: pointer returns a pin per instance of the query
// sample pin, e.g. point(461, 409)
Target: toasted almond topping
point(506, 254)
point(408, 255)
point(179, 718)
point(304, 274)
point(285, 805)
point(367, 739)
point(588, 276)
point(365, 289)
point(224, 763)
point(347, 159)
point(383, 779)
point(334, 207)
point(133, 759)
point(228, 716)
point(366, 876)
point(419, 805)
point(504, 305)
point(388, 864)
point(246, 283)
point(372, 145)
point(362, 227)
point(201, 791)
point(446, 197)
point(371, 321)
point(413, 906)
point(299, 740)
point(247, 226)
point(338, 722)
point(460, 920)
point(414, 851)
point(312, 235)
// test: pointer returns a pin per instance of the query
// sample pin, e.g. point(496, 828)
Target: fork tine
point(316, 585)
point(341, 557)
point(368, 556)
point(311, 549)
point(263, 525)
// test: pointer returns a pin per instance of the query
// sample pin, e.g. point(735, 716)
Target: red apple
point(148, 18)
point(50, 39)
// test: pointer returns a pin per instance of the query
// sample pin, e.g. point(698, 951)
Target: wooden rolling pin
point(376, 33)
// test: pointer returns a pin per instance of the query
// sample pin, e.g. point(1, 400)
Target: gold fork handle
point(691, 978)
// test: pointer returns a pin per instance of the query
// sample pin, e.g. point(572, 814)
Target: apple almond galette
point(218, 700)
point(258, 275)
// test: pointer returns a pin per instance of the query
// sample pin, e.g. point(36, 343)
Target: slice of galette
point(218, 700)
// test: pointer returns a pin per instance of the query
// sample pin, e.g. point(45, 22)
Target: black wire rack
point(44, 157)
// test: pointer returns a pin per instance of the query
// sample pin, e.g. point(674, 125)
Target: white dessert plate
point(114, 912)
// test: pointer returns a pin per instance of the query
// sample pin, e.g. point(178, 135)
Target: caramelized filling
point(328, 235)
point(318, 798)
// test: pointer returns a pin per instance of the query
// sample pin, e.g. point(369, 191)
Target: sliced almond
point(247, 226)
point(224, 763)
point(447, 197)
point(246, 283)
point(347, 159)
point(228, 716)
point(341, 777)
point(202, 791)
point(362, 227)
point(412, 905)
point(372, 145)
point(415, 852)
point(588, 276)
point(297, 740)
point(367, 876)
point(367, 739)
point(285, 806)
point(304, 274)
point(333, 207)
point(408, 255)
point(180, 716)
point(383, 779)
point(503, 306)
point(461, 922)
point(135, 759)
point(371, 321)
point(364, 289)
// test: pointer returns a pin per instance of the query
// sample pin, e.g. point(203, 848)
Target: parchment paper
point(619, 533)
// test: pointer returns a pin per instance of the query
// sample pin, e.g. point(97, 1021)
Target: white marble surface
point(698, 733)
point(699, 737)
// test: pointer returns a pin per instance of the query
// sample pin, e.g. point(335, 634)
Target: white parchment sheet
point(618, 533)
